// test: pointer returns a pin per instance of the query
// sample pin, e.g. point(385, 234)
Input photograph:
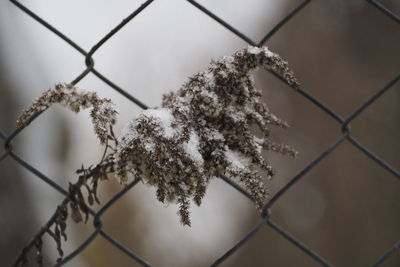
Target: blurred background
point(347, 208)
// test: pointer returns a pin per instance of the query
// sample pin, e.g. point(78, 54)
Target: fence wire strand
point(265, 220)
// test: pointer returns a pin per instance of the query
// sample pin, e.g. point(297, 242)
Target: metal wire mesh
point(266, 220)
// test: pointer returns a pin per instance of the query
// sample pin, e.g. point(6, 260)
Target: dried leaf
point(75, 214)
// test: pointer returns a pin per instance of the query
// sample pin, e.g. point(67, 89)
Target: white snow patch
point(128, 133)
point(236, 159)
point(258, 140)
point(236, 114)
point(209, 78)
point(165, 118)
point(259, 143)
point(216, 135)
point(182, 103)
point(256, 50)
point(228, 60)
point(258, 147)
point(213, 96)
point(253, 50)
point(149, 146)
point(267, 52)
point(192, 148)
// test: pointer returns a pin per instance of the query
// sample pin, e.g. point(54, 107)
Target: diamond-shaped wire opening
point(211, 231)
point(380, 117)
point(94, 18)
point(268, 247)
point(349, 203)
point(246, 16)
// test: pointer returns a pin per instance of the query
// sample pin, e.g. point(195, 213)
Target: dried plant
point(199, 132)
point(103, 114)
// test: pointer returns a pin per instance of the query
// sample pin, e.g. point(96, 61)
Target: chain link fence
point(266, 219)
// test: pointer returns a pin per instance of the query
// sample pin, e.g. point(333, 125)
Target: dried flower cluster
point(204, 130)
point(103, 114)
point(199, 132)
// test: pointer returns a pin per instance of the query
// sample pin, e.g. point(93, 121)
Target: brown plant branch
point(77, 205)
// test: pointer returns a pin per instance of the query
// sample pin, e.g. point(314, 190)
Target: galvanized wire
point(265, 220)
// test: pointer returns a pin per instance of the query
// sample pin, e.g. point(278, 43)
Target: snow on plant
point(199, 132)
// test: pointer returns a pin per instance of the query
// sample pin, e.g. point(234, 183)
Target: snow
point(258, 143)
point(210, 94)
point(182, 103)
point(228, 60)
point(216, 135)
point(235, 114)
point(236, 159)
point(268, 53)
point(192, 148)
point(253, 50)
point(165, 117)
point(209, 78)
point(149, 146)
point(256, 50)
point(128, 133)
